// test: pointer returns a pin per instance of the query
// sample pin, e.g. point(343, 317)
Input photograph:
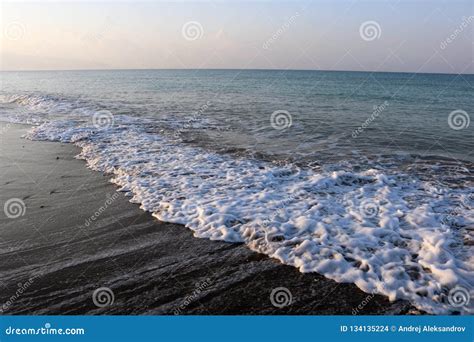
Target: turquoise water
point(362, 177)
point(233, 108)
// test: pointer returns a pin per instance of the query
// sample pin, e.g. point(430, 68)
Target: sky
point(384, 35)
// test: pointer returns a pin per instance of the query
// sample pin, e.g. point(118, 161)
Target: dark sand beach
point(78, 234)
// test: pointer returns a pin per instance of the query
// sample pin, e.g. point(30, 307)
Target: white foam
point(386, 233)
point(38, 109)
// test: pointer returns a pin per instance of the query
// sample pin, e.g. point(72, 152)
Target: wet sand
point(78, 234)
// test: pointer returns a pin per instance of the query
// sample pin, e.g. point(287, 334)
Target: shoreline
point(151, 267)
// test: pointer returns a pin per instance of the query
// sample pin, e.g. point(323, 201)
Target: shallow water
point(371, 183)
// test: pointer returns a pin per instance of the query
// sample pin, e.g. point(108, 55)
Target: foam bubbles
point(387, 232)
point(383, 232)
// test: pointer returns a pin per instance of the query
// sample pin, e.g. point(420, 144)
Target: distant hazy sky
point(413, 35)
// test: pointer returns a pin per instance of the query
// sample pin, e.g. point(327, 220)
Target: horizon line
point(233, 69)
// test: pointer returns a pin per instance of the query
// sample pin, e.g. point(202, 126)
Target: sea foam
point(387, 233)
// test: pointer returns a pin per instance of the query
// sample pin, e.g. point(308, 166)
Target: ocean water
point(362, 177)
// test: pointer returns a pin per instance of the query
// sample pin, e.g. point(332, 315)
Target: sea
point(363, 177)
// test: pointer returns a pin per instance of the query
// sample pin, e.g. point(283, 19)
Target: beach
point(78, 234)
point(258, 171)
